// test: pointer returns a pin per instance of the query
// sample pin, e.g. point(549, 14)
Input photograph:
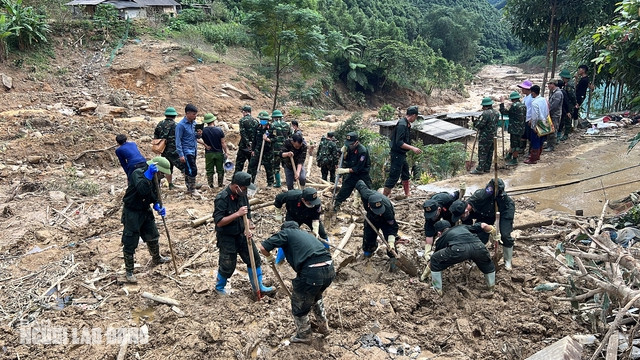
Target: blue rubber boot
point(326, 245)
point(263, 289)
point(280, 256)
point(367, 254)
point(222, 282)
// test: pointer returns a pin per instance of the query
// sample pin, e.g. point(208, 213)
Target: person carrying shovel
point(314, 268)
point(230, 207)
point(381, 214)
point(262, 152)
point(137, 217)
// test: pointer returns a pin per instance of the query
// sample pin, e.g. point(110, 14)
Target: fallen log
point(160, 299)
point(57, 281)
point(93, 151)
point(540, 236)
point(202, 220)
point(538, 223)
point(192, 259)
point(610, 186)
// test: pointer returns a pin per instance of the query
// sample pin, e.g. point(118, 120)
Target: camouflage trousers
point(485, 154)
point(267, 162)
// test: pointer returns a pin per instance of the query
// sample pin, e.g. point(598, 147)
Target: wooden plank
point(612, 347)
point(566, 348)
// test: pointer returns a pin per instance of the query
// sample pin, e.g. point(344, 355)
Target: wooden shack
point(431, 130)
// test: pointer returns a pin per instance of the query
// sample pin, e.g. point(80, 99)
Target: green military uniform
point(381, 214)
point(359, 162)
point(248, 126)
point(328, 157)
point(487, 124)
point(267, 153)
point(282, 132)
point(572, 100)
point(517, 117)
point(166, 129)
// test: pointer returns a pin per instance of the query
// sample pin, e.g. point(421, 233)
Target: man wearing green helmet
point(517, 115)
point(215, 150)
point(166, 129)
point(570, 90)
point(282, 132)
point(248, 126)
point(487, 125)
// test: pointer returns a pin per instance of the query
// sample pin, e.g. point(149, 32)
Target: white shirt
point(539, 110)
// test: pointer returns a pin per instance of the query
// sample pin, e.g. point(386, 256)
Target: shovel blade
point(407, 265)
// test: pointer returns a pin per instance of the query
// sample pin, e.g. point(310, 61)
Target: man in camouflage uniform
point(356, 165)
point(281, 131)
point(400, 144)
point(328, 156)
point(570, 89)
point(517, 115)
point(487, 125)
point(262, 133)
point(247, 129)
point(166, 129)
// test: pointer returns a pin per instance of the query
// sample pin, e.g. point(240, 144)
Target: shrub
point(227, 34)
point(441, 161)
point(386, 112)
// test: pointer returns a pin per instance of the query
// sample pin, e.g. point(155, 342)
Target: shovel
point(259, 160)
point(496, 248)
point(399, 260)
point(256, 288)
point(469, 164)
point(166, 229)
point(275, 271)
point(293, 168)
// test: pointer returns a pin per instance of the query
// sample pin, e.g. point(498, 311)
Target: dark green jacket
point(299, 247)
point(460, 234)
point(487, 124)
point(257, 139)
point(296, 210)
point(225, 204)
point(247, 130)
point(401, 135)
point(166, 129)
point(517, 116)
point(357, 160)
point(387, 221)
point(140, 193)
point(328, 153)
point(281, 131)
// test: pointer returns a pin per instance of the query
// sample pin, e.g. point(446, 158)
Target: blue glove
point(151, 170)
point(160, 209)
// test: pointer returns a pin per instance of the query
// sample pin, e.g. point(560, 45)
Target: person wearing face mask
point(263, 133)
point(356, 165)
point(294, 148)
point(230, 205)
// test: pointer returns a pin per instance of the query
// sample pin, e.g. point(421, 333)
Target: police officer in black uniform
point(400, 145)
point(381, 214)
point(356, 165)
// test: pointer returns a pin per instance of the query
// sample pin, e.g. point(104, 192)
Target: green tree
point(454, 33)
point(25, 24)
point(288, 33)
point(5, 31)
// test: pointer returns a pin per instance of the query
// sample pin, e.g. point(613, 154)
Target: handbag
point(158, 145)
point(545, 127)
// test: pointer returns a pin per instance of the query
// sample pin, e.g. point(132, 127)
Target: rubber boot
point(367, 254)
point(220, 180)
point(491, 280)
point(278, 183)
point(321, 316)
point(477, 171)
point(551, 142)
point(210, 181)
point(128, 266)
point(280, 256)
point(406, 188)
point(154, 251)
point(509, 155)
point(187, 183)
point(326, 245)
point(507, 253)
point(533, 156)
point(425, 273)
point(264, 290)
point(386, 191)
point(222, 282)
point(303, 330)
point(436, 281)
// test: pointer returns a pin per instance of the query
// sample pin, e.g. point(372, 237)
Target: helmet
point(276, 113)
point(263, 115)
point(171, 112)
point(487, 101)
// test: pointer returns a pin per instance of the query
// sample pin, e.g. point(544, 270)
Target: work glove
point(271, 260)
point(427, 252)
point(160, 209)
point(463, 185)
point(392, 242)
point(278, 215)
point(343, 171)
point(151, 170)
point(315, 227)
point(491, 230)
point(343, 149)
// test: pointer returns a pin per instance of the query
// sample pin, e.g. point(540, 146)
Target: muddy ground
point(61, 216)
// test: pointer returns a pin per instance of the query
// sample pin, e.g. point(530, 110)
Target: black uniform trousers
point(399, 170)
point(349, 183)
point(309, 285)
point(457, 253)
point(230, 247)
point(138, 224)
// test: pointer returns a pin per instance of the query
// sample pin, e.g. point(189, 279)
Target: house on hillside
point(128, 9)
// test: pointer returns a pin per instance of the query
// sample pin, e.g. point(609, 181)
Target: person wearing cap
point(539, 112)
point(581, 89)
point(436, 208)
point(166, 129)
point(281, 131)
point(264, 155)
point(517, 116)
point(137, 217)
point(215, 150)
point(480, 207)
point(400, 144)
point(230, 205)
point(248, 126)
point(487, 125)
point(355, 165)
point(381, 214)
point(555, 111)
point(314, 273)
point(295, 148)
point(569, 94)
point(129, 155)
point(525, 87)
point(457, 244)
point(328, 156)
point(186, 145)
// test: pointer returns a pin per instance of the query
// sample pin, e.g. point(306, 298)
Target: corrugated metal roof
point(123, 4)
point(440, 129)
point(157, 3)
point(84, 2)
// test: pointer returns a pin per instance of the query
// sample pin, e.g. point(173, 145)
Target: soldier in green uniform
point(517, 116)
point(247, 129)
point(314, 273)
point(282, 132)
point(263, 132)
point(166, 129)
point(230, 206)
point(137, 217)
point(570, 88)
point(487, 125)
point(400, 145)
point(328, 156)
point(381, 214)
point(356, 165)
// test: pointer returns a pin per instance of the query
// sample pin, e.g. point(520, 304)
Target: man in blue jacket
point(129, 155)
point(187, 146)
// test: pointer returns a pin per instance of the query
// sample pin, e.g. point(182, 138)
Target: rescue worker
point(381, 214)
point(230, 205)
point(314, 269)
point(328, 156)
point(166, 129)
point(215, 150)
point(457, 244)
point(281, 131)
point(187, 146)
point(571, 101)
point(129, 155)
point(356, 165)
point(517, 116)
point(137, 217)
point(487, 124)
point(248, 126)
point(294, 148)
point(262, 133)
point(400, 144)
point(436, 208)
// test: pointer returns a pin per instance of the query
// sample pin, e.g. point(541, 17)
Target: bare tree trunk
point(604, 96)
point(556, 37)
point(278, 70)
point(549, 45)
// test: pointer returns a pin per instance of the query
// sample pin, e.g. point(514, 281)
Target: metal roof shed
point(430, 131)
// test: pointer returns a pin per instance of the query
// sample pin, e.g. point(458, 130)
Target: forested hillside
point(498, 4)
